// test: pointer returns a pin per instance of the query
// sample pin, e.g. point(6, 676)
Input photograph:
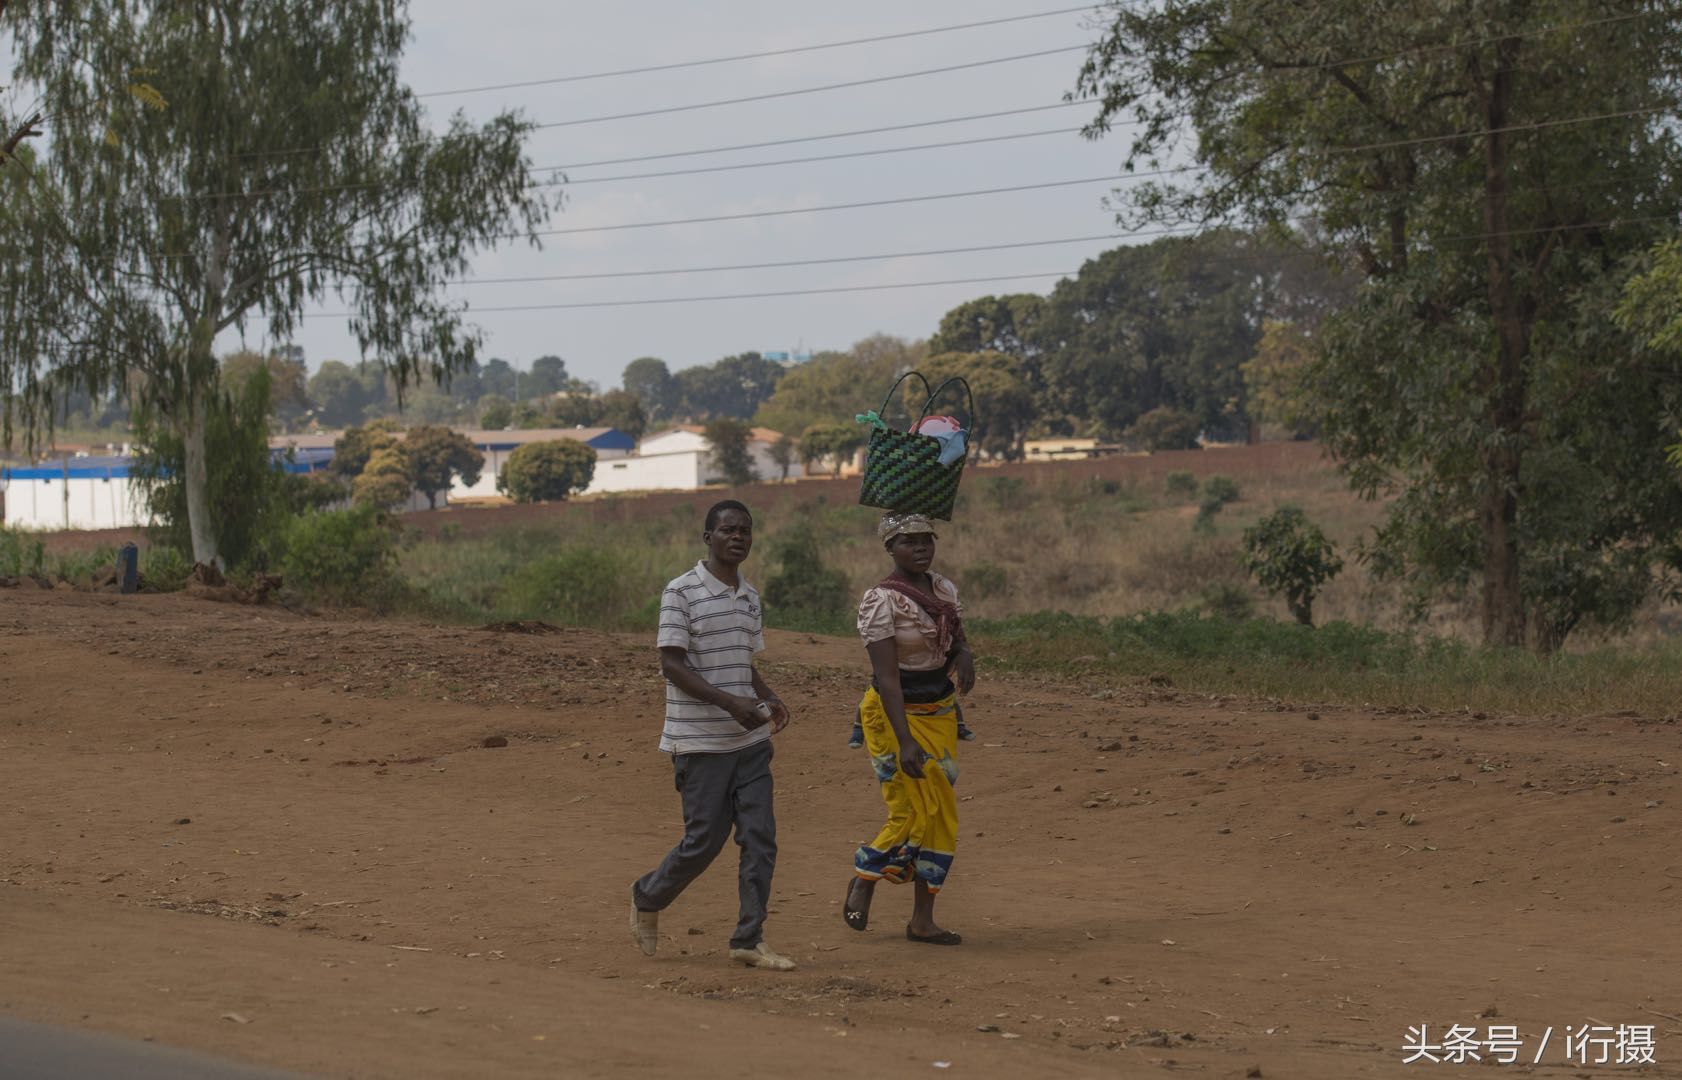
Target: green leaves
point(290, 164)
point(1288, 554)
point(1491, 176)
point(547, 471)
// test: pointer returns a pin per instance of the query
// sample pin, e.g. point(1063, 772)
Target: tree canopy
point(1489, 176)
point(280, 160)
point(547, 471)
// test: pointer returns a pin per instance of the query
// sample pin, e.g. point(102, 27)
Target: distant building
point(92, 492)
point(1054, 449)
point(682, 458)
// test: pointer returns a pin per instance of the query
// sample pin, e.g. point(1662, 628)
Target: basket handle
point(889, 400)
point(941, 389)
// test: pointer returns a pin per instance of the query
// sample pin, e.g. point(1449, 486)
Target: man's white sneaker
point(761, 956)
point(645, 927)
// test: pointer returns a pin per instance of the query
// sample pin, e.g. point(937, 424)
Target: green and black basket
point(902, 469)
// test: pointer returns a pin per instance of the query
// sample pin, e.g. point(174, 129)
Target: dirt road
point(280, 840)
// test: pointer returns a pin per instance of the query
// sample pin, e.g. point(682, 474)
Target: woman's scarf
point(949, 625)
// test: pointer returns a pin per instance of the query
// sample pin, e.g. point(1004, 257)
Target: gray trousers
point(721, 791)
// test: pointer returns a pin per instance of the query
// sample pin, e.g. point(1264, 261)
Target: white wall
point(663, 472)
point(93, 503)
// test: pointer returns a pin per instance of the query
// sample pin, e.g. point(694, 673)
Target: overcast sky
point(498, 41)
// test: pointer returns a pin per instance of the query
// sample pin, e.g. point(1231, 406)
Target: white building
point(684, 453)
point(88, 492)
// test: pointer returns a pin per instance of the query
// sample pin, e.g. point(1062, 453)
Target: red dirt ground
point(280, 839)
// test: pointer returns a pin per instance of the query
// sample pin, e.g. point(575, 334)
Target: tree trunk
point(197, 483)
point(1505, 383)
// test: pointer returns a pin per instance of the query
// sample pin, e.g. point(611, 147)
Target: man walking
point(720, 717)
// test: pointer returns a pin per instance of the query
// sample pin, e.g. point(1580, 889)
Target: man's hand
point(911, 759)
point(779, 714)
point(742, 710)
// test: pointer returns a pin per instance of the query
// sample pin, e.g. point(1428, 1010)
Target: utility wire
point(824, 157)
point(677, 153)
point(742, 296)
point(900, 201)
point(829, 260)
point(755, 55)
point(810, 138)
point(1424, 49)
point(914, 199)
point(1166, 231)
point(824, 88)
point(1359, 148)
point(721, 102)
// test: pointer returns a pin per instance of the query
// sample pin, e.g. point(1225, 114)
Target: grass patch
point(1336, 663)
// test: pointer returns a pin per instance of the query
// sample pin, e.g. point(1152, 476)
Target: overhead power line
point(1114, 178)
point(573, 182)
point(824, 88)
point(720, 102)
point(900, 201)
point(811, 138)
point(787, 263)
point(1192, 231)
point(680, 65)
point(742, 296)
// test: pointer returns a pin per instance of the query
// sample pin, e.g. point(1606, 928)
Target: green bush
point(1165, 428)
point(984, 580)
point(21, 554)
point(344, 557)
point(579, 586)
point(77, 567)
point(802, 585)
point(547, 471)
point(1289, 554)
point(1220, 490)
point(164, 569)
point(1180, 483)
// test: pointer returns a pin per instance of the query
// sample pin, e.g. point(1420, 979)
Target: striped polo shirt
point(719, 627)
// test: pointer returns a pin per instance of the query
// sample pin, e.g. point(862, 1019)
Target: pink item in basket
point(937, 425)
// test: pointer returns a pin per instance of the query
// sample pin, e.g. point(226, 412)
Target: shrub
point(547, 471)
point(1165, 428)
point(578, 586)
point(21, 555)
point(1180, 483)
point(342, 556)
point(164, 569)
point(1217, 492)
point(1220, 490)
point(984, 580)
point(802, 584)
point(1289, 554)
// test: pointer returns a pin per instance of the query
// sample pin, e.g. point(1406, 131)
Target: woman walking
point(912, 625)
